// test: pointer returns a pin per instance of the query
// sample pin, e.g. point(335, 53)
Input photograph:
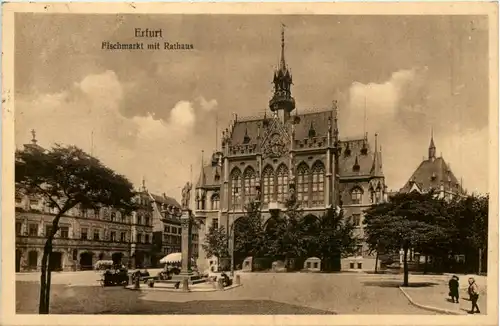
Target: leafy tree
point(470, 226)
point(216, 242)
point(335, 238)
point(284, 236)
point(407, 220)
point(67, 177)
point(249, 233)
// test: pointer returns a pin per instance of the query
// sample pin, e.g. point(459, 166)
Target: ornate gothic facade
point(285, 151)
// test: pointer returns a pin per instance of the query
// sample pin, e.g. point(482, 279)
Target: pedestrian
point(474, 295)
point(453, 285)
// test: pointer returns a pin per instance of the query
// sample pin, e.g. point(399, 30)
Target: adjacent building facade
point(167, 232)
point(86, 236)
point(285, 152)
point(434, 174)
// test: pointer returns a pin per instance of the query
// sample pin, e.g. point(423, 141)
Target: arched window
point(318, 184)
point(282, 175)
point(378, 194)
point(356, 196)
point(235, 188)
point(215, 200)
point(249, 182)
point(372, 196)
point(268, 179)
point(303, 184)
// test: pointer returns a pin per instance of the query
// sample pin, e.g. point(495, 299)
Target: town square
point(358, 184)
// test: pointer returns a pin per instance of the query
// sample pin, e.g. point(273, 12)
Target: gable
point(276, 140)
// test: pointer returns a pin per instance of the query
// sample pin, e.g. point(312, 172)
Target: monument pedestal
point(186, 226)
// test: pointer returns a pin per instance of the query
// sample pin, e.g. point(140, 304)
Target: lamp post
point(231, 232)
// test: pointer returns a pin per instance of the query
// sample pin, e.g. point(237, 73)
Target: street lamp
point(231, 231)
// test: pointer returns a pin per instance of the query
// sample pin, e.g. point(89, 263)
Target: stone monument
point(186, 227)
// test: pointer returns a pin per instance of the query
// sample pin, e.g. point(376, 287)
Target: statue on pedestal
point(186, 195)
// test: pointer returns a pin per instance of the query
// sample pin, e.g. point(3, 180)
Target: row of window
point(63, 233)
point(310, 184)
point(172, 229)
point(357, 196)
point(172, 239)
point(94, 213)
point(176, 239)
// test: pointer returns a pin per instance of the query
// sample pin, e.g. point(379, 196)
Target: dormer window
point(364, 149)
point(312, 132)
point(347, 150)
point(246, 139)
point(355, 167)
point(433, 176)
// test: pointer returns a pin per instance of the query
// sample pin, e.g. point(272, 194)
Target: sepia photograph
point(305, 163)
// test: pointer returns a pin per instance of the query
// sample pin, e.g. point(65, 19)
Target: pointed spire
point(216, 131)
point(376, 169)
point(364, 118)
point(282, 58)
point(282, 99)
point(143, 184)
point(432, 147)
point(202, 173)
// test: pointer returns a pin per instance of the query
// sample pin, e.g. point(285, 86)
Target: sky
point(148, 114)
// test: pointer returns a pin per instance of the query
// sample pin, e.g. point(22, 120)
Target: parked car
point(115, 276)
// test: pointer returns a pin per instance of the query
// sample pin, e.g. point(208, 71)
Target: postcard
point(250, 164)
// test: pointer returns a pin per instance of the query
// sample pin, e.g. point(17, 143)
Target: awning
point(175, 257)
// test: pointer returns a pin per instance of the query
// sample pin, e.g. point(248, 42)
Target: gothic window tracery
point(303, 184)
point(215, 200)
point(249, 182)
point(282, 176)
point(236, 187)
point(318, 183)
point(356, 195)
point(268, 182)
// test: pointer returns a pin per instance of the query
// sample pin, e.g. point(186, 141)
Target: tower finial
point(282, 60)
point(143, 184)
point(364, 118)
point(33, 133)
point(432, 147)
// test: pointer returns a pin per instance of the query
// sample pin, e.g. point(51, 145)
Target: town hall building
point(285, 150)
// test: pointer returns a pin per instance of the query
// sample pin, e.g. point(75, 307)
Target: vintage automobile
point(114, 277)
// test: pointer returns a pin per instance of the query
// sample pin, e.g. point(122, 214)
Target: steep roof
point(430, 174)
point(208, 176)
point(359, 152)
point(169, 201)
point(249, 128)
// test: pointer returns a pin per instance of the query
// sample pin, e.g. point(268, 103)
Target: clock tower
point(282, 102)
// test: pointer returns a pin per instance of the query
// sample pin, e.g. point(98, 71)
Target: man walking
point(474, 295)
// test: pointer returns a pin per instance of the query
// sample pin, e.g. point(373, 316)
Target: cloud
point(88, 115)
point(208, 105)
point(402, 110)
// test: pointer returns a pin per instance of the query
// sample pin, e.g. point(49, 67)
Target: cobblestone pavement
point(261, 293)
